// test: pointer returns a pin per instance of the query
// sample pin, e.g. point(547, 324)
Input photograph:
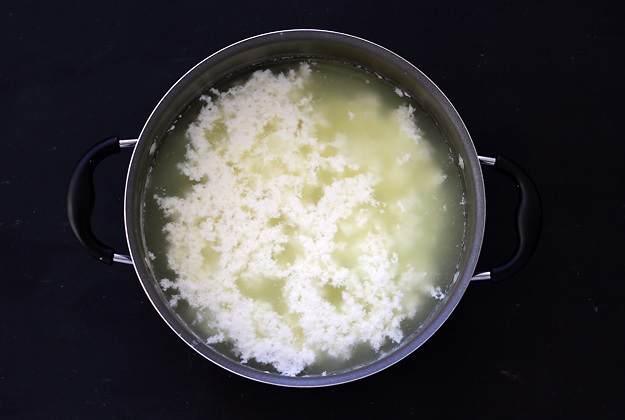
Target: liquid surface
point(304, 218)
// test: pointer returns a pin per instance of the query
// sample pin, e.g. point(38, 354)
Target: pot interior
point(164, 135)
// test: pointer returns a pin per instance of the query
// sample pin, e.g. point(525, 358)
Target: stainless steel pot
point(302, 44)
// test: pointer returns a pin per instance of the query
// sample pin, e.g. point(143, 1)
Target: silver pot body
point(304, 44)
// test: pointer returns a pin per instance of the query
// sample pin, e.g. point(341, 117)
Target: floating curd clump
point(310, 222)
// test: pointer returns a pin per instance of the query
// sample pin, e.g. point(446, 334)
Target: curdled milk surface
point(308, 218)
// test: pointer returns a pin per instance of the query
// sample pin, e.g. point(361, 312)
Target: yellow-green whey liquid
point(304, 218)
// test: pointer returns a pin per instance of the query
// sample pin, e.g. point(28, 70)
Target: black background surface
point(540, 82)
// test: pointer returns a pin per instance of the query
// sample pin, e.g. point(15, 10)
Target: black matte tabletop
point(539, 82)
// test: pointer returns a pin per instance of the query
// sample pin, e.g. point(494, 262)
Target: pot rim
point(238, 53)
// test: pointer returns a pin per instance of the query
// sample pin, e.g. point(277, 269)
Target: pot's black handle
point(529, 217)
point(81, 200)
